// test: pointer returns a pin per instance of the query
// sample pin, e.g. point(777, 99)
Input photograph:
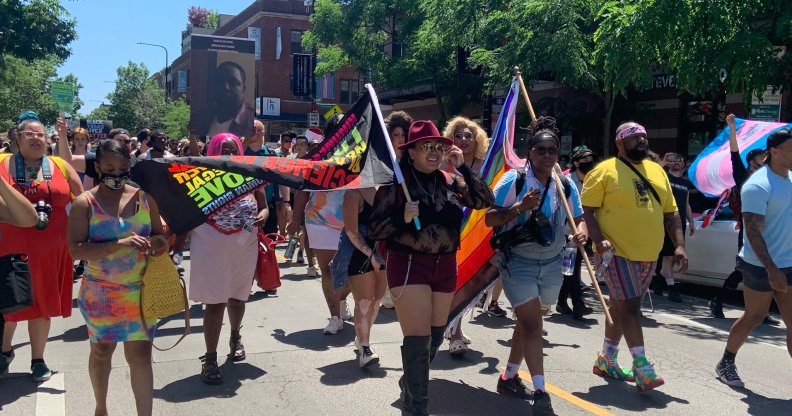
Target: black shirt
point(440, 210)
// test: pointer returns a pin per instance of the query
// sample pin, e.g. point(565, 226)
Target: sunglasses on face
point(32, 134)
point(428, 147)
point(541, 151)
point(466, 136)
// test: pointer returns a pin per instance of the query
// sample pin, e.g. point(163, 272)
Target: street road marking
point(571, 398)
point(279, 257)
point(51, 397)
point(712, 328)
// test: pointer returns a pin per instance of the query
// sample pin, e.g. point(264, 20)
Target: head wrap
point(215, 146)
point(29, 115)
point(630, 131)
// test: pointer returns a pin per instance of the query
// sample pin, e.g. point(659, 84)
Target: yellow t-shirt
point(628, 215)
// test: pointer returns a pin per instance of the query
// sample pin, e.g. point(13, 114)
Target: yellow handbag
point(163, 293)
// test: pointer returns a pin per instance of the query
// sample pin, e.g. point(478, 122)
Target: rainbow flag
point(476, 272)
point(711, 172)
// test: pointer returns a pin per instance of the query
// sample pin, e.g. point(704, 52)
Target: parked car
point(712, 250)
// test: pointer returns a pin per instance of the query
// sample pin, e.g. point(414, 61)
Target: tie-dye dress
point(109, 298)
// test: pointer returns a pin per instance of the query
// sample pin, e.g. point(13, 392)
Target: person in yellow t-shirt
point(627, 215)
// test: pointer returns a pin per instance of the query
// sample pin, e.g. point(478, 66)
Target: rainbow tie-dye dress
point(109, 298)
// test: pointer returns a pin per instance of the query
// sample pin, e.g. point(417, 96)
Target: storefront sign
point(767, 107)
point(663, 81)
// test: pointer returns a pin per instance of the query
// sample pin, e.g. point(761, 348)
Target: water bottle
point(568, 258)
point(602, 267)
point(294, 240)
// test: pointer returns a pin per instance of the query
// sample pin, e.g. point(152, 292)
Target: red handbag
point(267, 271)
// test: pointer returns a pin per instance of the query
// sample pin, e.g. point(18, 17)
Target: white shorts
point(322, 237)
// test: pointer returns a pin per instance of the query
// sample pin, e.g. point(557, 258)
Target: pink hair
point(215, 146)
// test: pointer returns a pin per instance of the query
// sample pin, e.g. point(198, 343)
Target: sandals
point(457, 347)
point(210, 372)
point(237, 348)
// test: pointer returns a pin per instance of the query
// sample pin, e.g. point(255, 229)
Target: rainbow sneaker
point(645, 377)
point(606, 366)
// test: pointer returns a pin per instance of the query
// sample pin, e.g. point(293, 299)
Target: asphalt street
point(293, 369)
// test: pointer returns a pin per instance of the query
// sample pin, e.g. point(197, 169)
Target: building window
point(350, 91)
point(296, 41)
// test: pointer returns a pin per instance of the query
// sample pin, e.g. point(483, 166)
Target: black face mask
point(637, 154)
point(586, 167)
point(115, 182)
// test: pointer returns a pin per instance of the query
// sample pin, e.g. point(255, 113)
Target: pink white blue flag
point(711, 172)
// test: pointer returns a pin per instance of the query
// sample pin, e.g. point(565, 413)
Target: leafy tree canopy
point(24, 87)
point(137, 100)
point(35, 29)
point(177, 115)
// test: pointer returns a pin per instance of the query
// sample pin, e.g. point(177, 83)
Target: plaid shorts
point(627, 279)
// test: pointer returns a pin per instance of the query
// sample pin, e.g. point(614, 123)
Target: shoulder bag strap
point(643, 179)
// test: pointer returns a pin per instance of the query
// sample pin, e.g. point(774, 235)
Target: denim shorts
point(525, 279)
point(755, 277)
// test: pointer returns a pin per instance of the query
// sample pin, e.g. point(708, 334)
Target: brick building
point(275, 104)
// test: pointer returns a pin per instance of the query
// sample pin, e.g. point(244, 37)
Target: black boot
point(415, 382)
point(437, 341)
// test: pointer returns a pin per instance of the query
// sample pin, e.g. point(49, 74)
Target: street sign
point(333, 111)
point(62, 95)
point(271, 106)
point(767, 107)
point(313, 119)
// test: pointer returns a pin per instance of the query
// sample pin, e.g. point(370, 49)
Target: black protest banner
point(190, 190)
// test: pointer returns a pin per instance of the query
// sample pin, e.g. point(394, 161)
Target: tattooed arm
point(754, 226)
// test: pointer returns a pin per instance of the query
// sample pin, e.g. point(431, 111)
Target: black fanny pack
point(537, 229)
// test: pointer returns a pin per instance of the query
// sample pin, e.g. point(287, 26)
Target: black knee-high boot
point(415, 382)
point(437, 341)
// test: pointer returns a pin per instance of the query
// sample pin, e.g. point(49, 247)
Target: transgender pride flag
point(475, 272)
point(711, 172)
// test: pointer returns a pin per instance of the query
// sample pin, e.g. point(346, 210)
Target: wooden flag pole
point(570, 218)
point(572, 226)
point(524, 92)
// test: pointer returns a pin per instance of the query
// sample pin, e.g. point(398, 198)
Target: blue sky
point(108, 32)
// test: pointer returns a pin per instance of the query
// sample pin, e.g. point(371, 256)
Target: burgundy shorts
point(438, 271)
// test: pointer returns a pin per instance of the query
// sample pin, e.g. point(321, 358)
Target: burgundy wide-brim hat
point(423, 130)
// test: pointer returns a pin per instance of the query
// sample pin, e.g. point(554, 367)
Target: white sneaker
point(335, 325)
point(312, 272)
point(345, 314)
point(386, 300)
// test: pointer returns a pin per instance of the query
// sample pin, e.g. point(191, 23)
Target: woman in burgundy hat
point(421, 263)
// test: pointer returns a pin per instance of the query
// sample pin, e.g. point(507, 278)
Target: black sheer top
point(441, 198)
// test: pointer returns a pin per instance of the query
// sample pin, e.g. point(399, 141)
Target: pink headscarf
point(215, 146)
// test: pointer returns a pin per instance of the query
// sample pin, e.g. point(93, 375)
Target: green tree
point(608, 48)
point(35, 29)
point(137, 100)
point(22, 88)
point(177, 115)
point(100, 113)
